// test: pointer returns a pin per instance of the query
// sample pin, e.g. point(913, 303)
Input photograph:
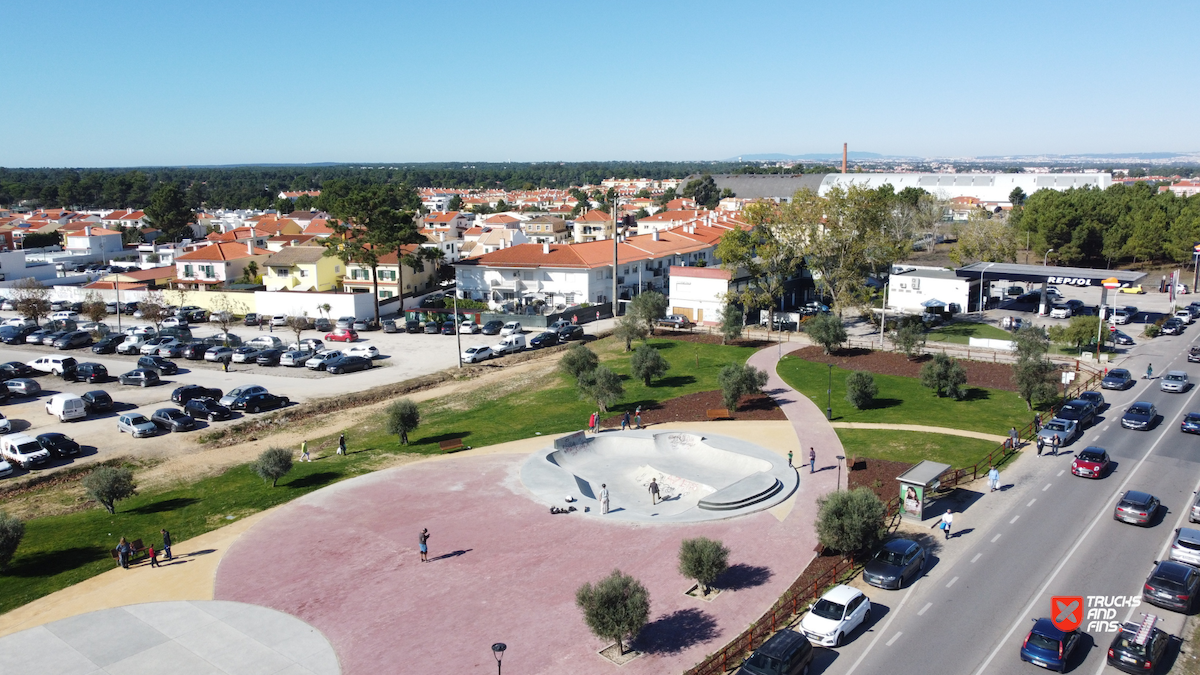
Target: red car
point(341, 335)
point(1091, 463)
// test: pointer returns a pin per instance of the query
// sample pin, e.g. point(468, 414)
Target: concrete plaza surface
point(184, 638)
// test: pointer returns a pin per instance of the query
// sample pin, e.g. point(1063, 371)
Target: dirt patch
point(979, 373)
point(877, 475)
point(613, 654)
point(695, 407)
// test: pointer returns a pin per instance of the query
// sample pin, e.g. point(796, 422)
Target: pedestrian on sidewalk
point(1041, 443)
point(1149, 371)
point(1037, 423)
point(123, 553)
point(1016, 438)
point(1054, 444)
point(653, 491)
point(625, 420)
point(166, 544)
point(789, 459)
point(304, 457)
point(994, 479)
point(812, 459)
point(342, 444)
point(603, 498)
point(637, 417)
point(225, 365)
point(947, 522)
point(592, 423)
point(153, 556)
point(424, 540)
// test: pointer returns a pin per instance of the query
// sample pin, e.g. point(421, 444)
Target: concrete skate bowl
point(699, 477)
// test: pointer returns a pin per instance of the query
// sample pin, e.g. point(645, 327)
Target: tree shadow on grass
point(742, 576)
point(977, 394)
point(51, 563)
point(313, 480)
point(880, 403)
point(165, 505)
point(675, 632)
point(673, 381)
point(448, 436)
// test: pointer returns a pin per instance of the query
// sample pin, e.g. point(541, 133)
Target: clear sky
point(119, 83)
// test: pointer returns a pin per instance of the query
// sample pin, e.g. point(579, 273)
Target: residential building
point(358, 277)
point(296, 195)
point(155, 255)
point(152, 278)
point(453, 223)
point(491, 239)
point(546, 229)
point(217, 265)
point(301, 268)
point(1184, 188)
point(94, 241)
point(450, 248)
point(698, 293)
point(593, 226)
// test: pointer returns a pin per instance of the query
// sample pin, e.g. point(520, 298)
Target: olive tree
point(602, 386)
point(861, 389)
point(154, 309)
point(109, 485)
point(272, 464)
point(94, 307)
point(647, 363)
point(403, 416)
point(648, 307)
point(945, 377)
point(578, 360)
point(849, 520)
point(614, 608)
point(826, 329)
point(11, 532)
point(630, 328)
point(297, 323)
point(909, 336)
point(704, 560)
point(738, 380)
point(31, 299)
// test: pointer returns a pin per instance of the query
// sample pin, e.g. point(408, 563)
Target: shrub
point(11, 532)
point(704, 560)
point(1151, 331)
point(403, 416)
point(628, 329)
point(272, 464)
point(826, 330)
point(732, 322)
point(578, 360)
point(945, 377)
point(602, 386)
point(615, 607)
point(861, 389)
point(647, 363)
point(849, 520)
point(109, 485)
point(648, 307)
point(738, 380)
point(909, 337)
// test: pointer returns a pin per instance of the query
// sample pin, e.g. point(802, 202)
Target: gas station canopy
point(1058, 276)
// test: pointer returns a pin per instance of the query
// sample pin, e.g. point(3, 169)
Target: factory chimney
point(844, 146)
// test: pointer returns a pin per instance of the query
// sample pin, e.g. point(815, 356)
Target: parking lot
point(1151, 306)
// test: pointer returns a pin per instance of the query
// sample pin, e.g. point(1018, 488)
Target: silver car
point(1186, 547)
point(1066, 430)
point(1175, 381)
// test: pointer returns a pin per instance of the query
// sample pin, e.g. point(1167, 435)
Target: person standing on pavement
point(592, 423)
point(789, 459)
point(1016, 438)
point(1037, 423)
point(653, 491)
point(166, 544)
point(637, 417)
point(947, 522)
point(1054, 444)
point(603, 498)
point(625, 421)
point(812, 459)
point(423, 538)
point(1041, 443)
point(153, 556)
point(994, 479)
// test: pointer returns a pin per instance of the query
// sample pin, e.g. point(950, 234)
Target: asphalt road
point(1046, 533)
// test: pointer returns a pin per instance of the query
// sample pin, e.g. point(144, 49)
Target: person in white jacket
point(947, 522)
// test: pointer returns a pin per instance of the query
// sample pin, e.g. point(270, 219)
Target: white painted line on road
point(894, 638)
point(1031, 501)
point(1014, 519)
point(1062, 472)
point(1047, 487)
point(1106, 426)
point(951, 582)
point(886, 625)
point(977, 557)
point(925, 608)
point(995, 538)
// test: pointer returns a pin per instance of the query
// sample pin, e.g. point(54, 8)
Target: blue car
point(1049, 647)
point(1190, 423)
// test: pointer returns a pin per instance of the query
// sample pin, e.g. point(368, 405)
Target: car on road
point(839, 612)
point(245, 354)
point(322, 358)
point(259, 402)
point(187, 392)
point(295, 358)
point(74, 340)
point(1120, 338)
point(1132, 288)
point(1138, 650)
point(1136, 508)
point(364, 350)
point(511, 328)
point(268, 357)
point(1095, 398)
point(23, 386)
point(342, 335)
point(546, 339)
point(58, 445)
point(1117, 378)
point(1066, 430)
point(218, 354)
point(158, 364)
point(1172, 585)
point(23, 450)
point(1079, 411)
point(1186, 546)
point(347, 364)
point(1049, 647)
point(1194, 354)
point(1175, 382)
point(207, 408)
point(140, 377)
point(1092, 462)
point(1139, 416)
point(172, 419)
point(136, 424)
point(784, 653)
point(1190, 423)
point(492, 327)
point(238, 392)
point(476, 354)
point(1060, 312)
point(571, 332)
point(96, 401)
point(1172, 326)
point(899, 561)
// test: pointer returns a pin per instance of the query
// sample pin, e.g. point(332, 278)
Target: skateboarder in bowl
point(653, 491)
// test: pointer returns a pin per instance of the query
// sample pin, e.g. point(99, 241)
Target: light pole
point(1046, 257)
point(457, 326)
point(829, 396)
point(981, 273)
point(498, 652)
point(839, 476)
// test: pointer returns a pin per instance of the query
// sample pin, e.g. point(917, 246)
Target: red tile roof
point(221, 252)
point(599, 253)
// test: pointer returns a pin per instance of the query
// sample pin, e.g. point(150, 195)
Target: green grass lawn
point(914, 446)
point(962, 332)
point(902, 400)
point(58, 551)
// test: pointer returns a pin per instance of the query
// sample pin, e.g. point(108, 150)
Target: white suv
point(510, 328)
point(837, 614)
point(1185, 315)
point(23, 450)
point(1060, 312)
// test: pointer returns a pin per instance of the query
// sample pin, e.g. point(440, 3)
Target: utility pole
point(615, 208)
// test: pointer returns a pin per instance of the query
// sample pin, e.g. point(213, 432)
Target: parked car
point(152, 345)
point(73, 340)
point(512, 328)
point(218, 354)
point(140, 377)
point(279, 320)
point(347, 364)
point(187, 392)
point(136, 424)
point(36, 337)
point(342, 335)
point(509, 344)
point(546, 339)
point(131, 345)
point(412, 326)
point(1136, 507)
point(1079, 411)
point(310, 344)
point(175, 322)
point(15, 369)
point(1092, 462)
point(268, 357)
point(1095, 398)
point(322, 324)
point(90, 373)
point(676, 321)
point(194, 351)
point(54, 365)
point(16, 335)
point(265, 342)
point(432, 327)
point(58, 445)
point(784, 653)
point(1172, 326)
point(468, 328)
point(392, 326)
point(571, 332)
point(1131, 288)
point(1049, 647)
point(344, 322)
point(259, 402)
point(1060, 312)
point(23, 450)
point(207, 408)
point(362, 325)
point(321, 358)
point(1117, 378)
point(224, 340)
point(96, 401)
point(449, 327)
point(1171, 585)
point(245, 354)
point(1139, 416)
point(476, 354)
point(898, 562)
point(172, 419)
point(363, 350)
point(1066, 430)
point(238, 392)
point(492, 327)
point(252, 319)
point(294, 358)
point(1186, 546)
point(1175, 382)
point(1184, 315)
point(1137, 650)
point(839, 612)
point(158, 364)
point(23, 386)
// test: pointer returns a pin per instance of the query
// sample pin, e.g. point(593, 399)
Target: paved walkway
point(921, 427)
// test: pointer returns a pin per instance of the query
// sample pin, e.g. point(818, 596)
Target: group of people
point(306, 457)
point(125, 551)
point(627, 421)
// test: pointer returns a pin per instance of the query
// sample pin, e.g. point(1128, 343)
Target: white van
point(66, 407)
point(510, 344)
point(65, 315)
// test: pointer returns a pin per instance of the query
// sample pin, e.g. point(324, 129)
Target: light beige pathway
point(920, 427)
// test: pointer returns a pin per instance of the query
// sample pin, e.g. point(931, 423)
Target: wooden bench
point(719, 414)
point(136, 550)
point(451, 445)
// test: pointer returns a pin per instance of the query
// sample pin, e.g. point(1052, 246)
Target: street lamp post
point(839, 476)
point(498, 652)
point(1046, 257)
point(457, 325)
point(829, 396)
point(981, 273)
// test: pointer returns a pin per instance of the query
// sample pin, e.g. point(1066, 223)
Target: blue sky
point(164, 83)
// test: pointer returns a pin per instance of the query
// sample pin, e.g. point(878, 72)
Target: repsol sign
point(1069, 281)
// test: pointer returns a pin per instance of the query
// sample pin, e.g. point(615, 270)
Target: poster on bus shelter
point(911, 497)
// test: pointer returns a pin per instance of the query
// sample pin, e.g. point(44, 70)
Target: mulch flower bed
point(878, 470)
point(695, 407)
point(979, 373)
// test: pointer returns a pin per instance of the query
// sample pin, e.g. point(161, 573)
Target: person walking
point(153, 556)
point(994, 479)
point(1016, 438)
point(592, 423)
point(342, 444)
point(1037, 423)
point(812, 459)
point(1150, 371)
point(225, 365)
point(603, 498)
point(166, 544)
point(304, 457)
point(123, 553)
point(790, 459)
point(424, 539)
point(625, 421)
point(947, 522)
point(653, 491)
point(1041, 443)
point(637, 417)
point(1054, 444)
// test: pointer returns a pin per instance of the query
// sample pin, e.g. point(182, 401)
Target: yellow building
point(302, 268)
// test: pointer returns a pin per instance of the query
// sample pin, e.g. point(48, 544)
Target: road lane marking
point(1062, 472)
point(951, 582)
point(1106, 426)
point(925, 608)
point(1014, 519)
point(886, 624)
point(1031, 501)
point(995, 538)
point(1047, 487)
point(977, 557)
point(894, 638)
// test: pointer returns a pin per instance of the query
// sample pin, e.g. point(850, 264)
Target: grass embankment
point(62, 550)
point(914, 446)
point(902, 400)
point(962, 332)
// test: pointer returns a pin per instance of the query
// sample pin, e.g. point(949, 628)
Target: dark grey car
point(1136, 508)
point(900, 561)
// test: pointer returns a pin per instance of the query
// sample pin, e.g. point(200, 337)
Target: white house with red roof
point(217, 265)
point(593, 226)
point(698, 293)
point(94, 241)
point(453, 223)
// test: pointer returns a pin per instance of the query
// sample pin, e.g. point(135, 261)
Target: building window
point(303, 273)
point(383, 295)
point(187, 271)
